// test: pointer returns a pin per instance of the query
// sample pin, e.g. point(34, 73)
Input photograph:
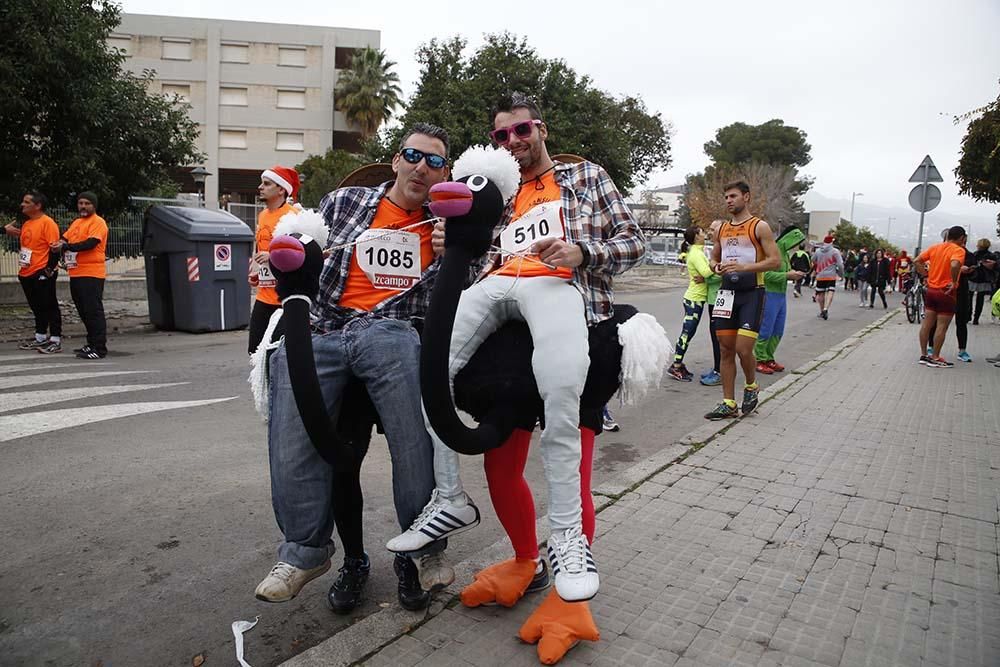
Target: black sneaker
point(750, 399)
point(824, 315)
point(50, 347)
point(85, 348)
point(345, 594)
point(91, 354)
point(924, 359)
point(411, 596)
point(541, 579)
point(32, 344)
point(723, 411)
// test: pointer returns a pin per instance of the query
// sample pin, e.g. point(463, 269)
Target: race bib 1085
point(389, 258)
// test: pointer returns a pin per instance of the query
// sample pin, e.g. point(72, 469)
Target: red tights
point(511, 494)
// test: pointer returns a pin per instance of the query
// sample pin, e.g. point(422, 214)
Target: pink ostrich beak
point(450, 200)
point(287, 253)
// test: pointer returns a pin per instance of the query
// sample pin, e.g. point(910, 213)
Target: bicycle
point(914, 300)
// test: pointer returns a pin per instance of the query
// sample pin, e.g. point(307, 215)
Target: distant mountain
point(905, 221)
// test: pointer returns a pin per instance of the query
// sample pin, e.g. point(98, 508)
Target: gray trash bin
point(196, 269)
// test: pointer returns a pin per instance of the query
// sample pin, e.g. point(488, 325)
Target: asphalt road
point(138, 522)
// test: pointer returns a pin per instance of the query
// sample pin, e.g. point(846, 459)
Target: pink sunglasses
point(501, 135)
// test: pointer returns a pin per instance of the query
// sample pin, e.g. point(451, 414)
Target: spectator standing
point(698, 270)
point(904, 270)
point(878, 277)
point(712, 377)
point(802, 263)
point(82, 248)
point(37, 272)
point(850, 264)
point(983, 277)
point(862, 271)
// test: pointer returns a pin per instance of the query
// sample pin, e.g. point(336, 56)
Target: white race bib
point(264, 276)
point(69, 259)
point(723, 307)
point(541, 222)
point(24, 257)
point(390, 258)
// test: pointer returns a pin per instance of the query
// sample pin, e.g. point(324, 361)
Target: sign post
point(925, 197)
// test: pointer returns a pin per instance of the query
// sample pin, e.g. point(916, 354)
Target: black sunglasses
point(413, 156)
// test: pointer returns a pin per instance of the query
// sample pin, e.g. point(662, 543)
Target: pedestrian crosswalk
point(52, 388)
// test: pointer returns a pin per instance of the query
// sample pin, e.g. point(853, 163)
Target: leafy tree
point(978, 170)
point(770, 143)
point(72, 118)
point(849, 237)
point(368, 91)
point(323, 173)
point(771, 188)
point(456, 92)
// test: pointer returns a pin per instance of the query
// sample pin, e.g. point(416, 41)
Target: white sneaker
point(284, 581)
point(573, 566)
point(438, 520)
point(434, 571)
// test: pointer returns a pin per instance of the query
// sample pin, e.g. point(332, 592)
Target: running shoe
point(924, 360)
point(609, 423)
point(347, 592)
point(438, 520)
point(711, 378)
point(939, 362)
point(573, 567)
point(32, 344)
point(930, 351)
point(85, 348)
point(722, 411)
point(775, 366)
point(50, 347)
point(824, 315)
point(750, 399)
point(764, 367)
point(964, 356)
point(679, 373)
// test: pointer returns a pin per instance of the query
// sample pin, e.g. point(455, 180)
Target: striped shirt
point(597, 219)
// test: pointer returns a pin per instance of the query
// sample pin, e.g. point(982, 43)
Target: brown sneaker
point(434, 572)
point(284, 581)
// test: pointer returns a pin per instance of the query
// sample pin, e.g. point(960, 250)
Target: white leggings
point(554, 312)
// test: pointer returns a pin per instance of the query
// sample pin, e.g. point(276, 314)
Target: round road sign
point(921, 205)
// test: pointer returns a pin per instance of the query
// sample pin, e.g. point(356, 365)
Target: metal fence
point(246, 212)
point(124, 247)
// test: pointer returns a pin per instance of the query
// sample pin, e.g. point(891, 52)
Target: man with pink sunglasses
point(562, 238)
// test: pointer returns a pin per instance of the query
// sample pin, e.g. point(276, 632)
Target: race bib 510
point(541, 222)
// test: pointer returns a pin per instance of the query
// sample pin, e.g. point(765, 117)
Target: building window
point(181, 90)
point(291, 99)
point(289, 141)
point(176, 49)
point(292, 56)
point(232, 138)
point(232, 96)
point(235, 53)
point(342, 57)
point(122, 43)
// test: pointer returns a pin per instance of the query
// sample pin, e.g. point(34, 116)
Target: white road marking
point(28, 380)
point(43, 399)
point(35, 423)
point(34, 367)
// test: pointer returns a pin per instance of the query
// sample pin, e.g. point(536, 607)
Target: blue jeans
point(385, 355)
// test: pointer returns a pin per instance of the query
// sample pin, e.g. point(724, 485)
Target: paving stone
point(808, 641)
point(716, 649)
point(404, 652)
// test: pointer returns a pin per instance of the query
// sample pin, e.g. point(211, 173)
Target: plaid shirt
point(597, 220)
point(349, 212)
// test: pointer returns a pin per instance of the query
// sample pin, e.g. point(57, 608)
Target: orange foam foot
point(557, 626)
point(503, 583)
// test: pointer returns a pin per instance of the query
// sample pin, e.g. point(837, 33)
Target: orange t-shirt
point(359, 292)
point(267, 220)
point(528, 197)
point(939, 258)
point(36, 235)
point(88, 263)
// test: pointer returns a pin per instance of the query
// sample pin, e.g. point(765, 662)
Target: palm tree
point(368, 91)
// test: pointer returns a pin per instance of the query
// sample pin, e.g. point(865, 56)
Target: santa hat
point(285, 177)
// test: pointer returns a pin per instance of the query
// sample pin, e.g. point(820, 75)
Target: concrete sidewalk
point(852, 521)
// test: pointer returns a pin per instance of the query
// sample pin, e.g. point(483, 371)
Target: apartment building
point(261, 93)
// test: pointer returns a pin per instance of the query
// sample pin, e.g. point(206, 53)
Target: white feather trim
point(645, 350)
point(306, 222)
point(496, 164)
point(258, 365)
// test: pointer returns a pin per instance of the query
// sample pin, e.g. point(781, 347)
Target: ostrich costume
point(497, 387)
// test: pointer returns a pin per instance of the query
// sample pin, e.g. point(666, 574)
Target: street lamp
point(199, 174)
point(888, 231)
point(854, 195)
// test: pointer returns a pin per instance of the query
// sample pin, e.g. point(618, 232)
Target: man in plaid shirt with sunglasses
point(369, 294)
point(566, 234)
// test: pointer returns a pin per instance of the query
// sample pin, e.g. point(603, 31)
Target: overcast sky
point(873, 84)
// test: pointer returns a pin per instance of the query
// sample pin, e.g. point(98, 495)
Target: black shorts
point(748, 309)
point(826, 285)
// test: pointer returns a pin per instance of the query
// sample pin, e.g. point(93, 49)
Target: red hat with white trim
point(284, 177)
